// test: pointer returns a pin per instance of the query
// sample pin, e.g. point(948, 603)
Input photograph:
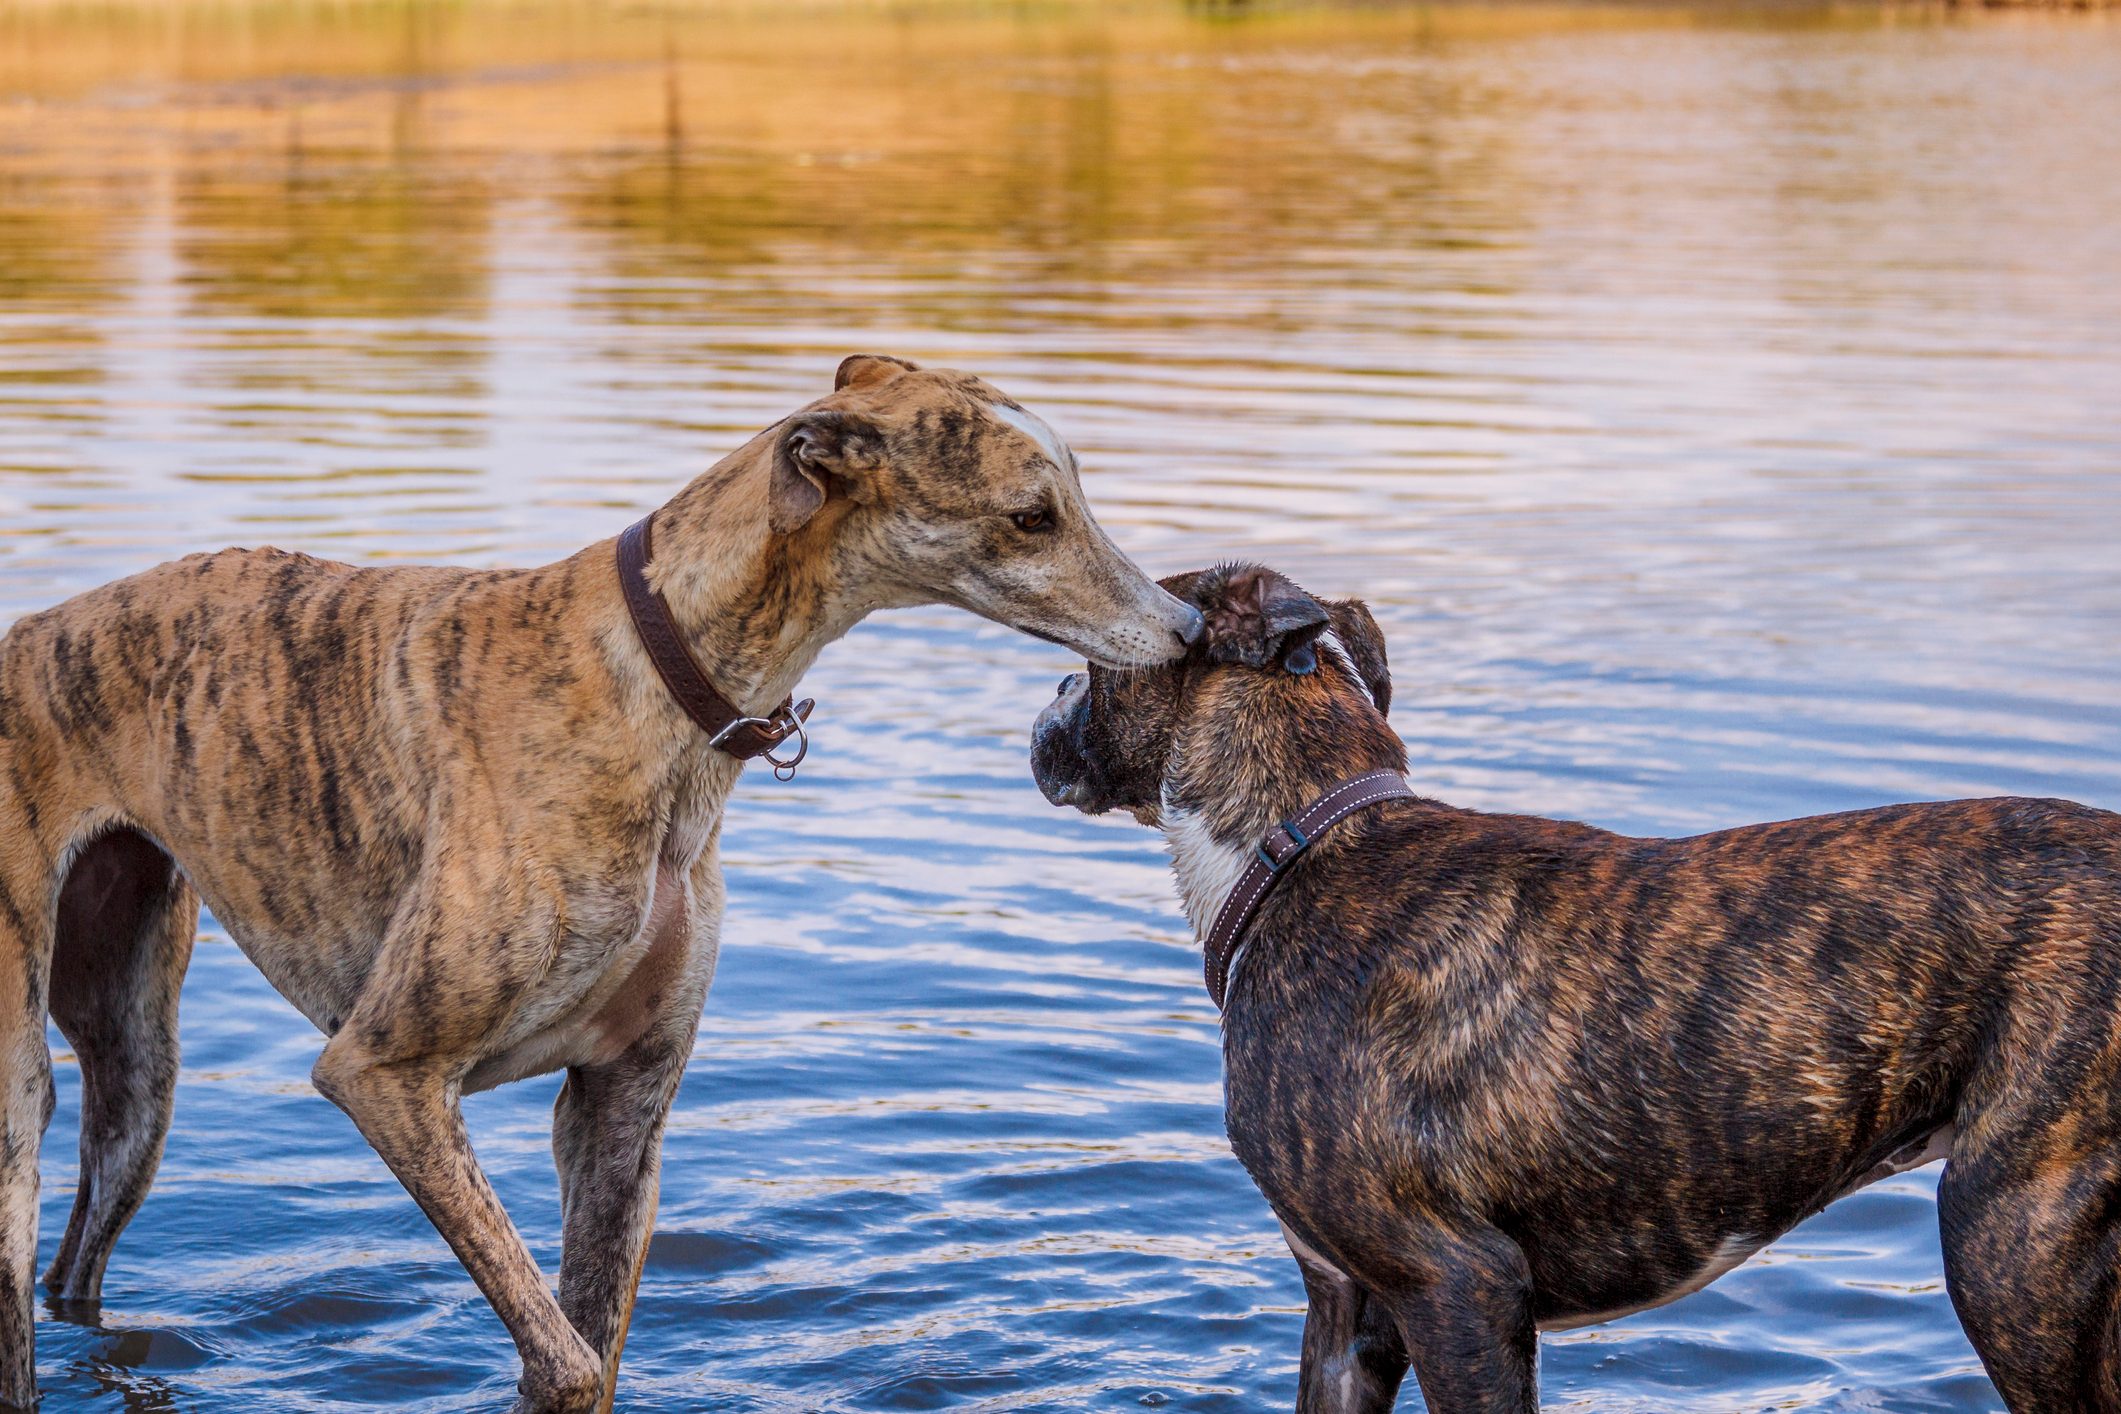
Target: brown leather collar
point(1277, 851)
point(727, 729)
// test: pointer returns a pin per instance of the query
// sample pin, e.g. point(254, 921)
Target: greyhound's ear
point(1253, 616)
point(1365, 642)
point(816, 454)
point(861, 370)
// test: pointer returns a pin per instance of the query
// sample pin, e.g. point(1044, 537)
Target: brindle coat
point(456, 819)
point(1496, 1073)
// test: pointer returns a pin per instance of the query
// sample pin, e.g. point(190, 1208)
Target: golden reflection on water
point(1080, 141)
point(1718, 406)
point(1083, 139)
point(1743, 325)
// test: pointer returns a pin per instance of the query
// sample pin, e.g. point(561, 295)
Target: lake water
point(1721, 410)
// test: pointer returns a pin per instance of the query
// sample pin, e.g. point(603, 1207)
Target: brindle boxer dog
point(459, 820)
point(1497, 1074)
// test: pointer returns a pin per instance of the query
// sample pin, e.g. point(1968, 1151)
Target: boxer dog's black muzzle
point(1060, 760)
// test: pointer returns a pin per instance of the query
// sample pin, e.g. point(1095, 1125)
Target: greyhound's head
point(936, 487)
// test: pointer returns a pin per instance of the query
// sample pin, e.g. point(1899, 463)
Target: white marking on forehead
point(1347, 660)
point(1032, 426)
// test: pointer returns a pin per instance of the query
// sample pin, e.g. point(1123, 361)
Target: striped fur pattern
point(456, 819)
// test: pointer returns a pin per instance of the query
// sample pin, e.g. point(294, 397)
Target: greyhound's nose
point(1190, 634)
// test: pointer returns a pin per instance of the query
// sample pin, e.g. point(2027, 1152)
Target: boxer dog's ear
point(815, 454)
point(1365, 642)
point(1253, 616)
point(861, 370)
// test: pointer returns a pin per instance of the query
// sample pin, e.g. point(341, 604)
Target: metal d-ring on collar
point(728, 730)
point(1277, 850)
point(786, 721)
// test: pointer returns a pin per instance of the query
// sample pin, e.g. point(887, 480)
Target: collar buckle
point(1282, 844)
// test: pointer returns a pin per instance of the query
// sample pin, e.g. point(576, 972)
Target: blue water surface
point(1718, 409)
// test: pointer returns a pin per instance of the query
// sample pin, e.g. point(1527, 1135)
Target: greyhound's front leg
point(607, 1127)
point(408, 1111)
point(607, 1141)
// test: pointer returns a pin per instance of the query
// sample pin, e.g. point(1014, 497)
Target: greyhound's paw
point(571, 1384)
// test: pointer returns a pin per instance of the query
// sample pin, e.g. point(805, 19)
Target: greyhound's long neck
point(756, 608)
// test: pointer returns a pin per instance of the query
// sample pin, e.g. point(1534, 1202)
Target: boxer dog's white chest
point(1208, 868)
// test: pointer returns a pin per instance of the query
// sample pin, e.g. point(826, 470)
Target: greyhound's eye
point(1040, 519)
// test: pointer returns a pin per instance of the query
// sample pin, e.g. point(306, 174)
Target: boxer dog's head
point(1282, 694)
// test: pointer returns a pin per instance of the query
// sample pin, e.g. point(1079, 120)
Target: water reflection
point(1717, 407)
point(318, 241)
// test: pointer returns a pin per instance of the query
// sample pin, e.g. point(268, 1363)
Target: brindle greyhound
point(1497, 1074)
point(458, 820)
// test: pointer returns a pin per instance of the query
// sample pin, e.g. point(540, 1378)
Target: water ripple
point(1717, 408)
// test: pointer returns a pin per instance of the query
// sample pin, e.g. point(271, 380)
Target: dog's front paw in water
point(571, 1385)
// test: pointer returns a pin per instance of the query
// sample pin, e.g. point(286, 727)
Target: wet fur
point(1497, 1073)
point(456, 819)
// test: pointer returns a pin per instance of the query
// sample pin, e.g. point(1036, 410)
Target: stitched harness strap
point(727, 729)
point(1277, 851)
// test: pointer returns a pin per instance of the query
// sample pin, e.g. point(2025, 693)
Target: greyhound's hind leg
point(125, 928)
point(25, 1106)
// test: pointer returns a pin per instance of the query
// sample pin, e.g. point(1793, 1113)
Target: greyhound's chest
point(628, 965)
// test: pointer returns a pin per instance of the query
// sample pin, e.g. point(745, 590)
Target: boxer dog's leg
point(1464, 1308)
point(2032, 1258)
point(1353, 1357)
